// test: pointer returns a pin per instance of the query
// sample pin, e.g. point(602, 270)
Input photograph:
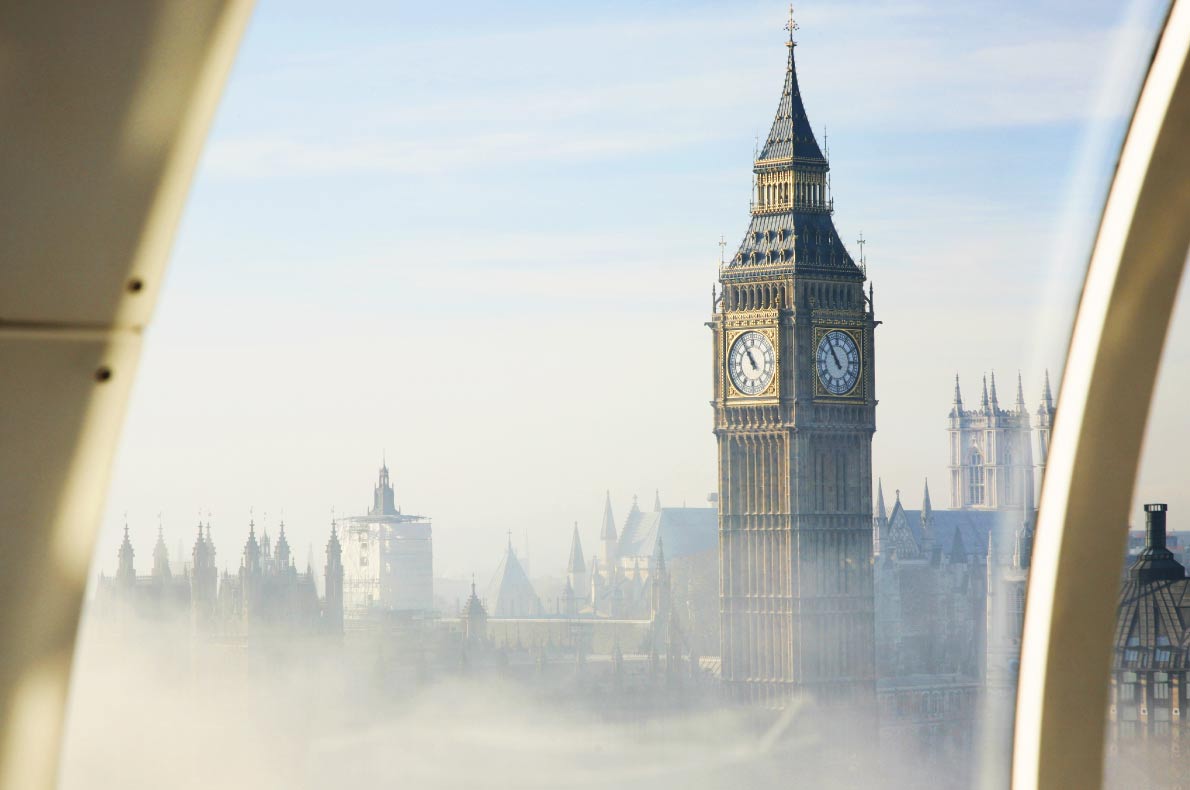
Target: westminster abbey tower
point(794, 417)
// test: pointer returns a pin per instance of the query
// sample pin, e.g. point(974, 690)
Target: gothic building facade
point(794, 414)
point(991, 449)
point(266, 594)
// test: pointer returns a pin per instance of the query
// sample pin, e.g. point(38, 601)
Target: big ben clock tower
point(794, 416)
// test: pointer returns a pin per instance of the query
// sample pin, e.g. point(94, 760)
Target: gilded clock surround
point(856, 393)
point(774, 386)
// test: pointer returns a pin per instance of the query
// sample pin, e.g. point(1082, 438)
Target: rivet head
point(135, 285)
point(103, 373)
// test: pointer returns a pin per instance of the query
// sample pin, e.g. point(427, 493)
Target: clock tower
point(795, 410)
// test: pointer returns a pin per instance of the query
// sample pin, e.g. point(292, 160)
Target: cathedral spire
point(282, 553)
point(656, 500)
point(791, 134)
point(983, 401)
point(1047, 400)
point(126, 570)
point(995, 400)
point(927, 509)
point(608, 531)
point(880, 511)
point(1020, 394)
point(958, 395)
point(160, 555)
point(577, 563)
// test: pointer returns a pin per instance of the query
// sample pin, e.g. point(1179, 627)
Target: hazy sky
point(482, 240)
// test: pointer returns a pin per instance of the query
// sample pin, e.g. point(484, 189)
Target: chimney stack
point(1156, 563)
point(1155, 526)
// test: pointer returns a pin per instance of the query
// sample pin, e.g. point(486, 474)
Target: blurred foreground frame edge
point(69, 361)
point(104, 108)
point(1111, 368)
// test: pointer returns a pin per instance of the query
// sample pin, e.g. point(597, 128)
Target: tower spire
point(791, 26)
point(880, 511)
point(1047, 400)
point(995, 400)
point(983, 401)
point(926, 507)
point(1020, 394)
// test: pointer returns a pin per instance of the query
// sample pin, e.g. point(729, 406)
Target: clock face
point(751, 363)
point(837, 360)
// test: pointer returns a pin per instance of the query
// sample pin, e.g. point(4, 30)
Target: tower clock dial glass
point(751, 363)
point(837, 360)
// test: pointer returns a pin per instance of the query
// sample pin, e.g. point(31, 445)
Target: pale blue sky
point(482, 239)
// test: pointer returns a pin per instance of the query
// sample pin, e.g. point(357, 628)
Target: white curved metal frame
point(1115, 350)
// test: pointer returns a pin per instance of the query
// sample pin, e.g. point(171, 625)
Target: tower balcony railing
point(777, 207)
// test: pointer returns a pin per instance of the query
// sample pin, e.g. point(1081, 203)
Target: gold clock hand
point(835, 353)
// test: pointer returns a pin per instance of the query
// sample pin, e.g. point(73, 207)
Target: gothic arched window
point(975, 479)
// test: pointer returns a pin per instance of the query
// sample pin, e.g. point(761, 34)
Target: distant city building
point(1151, 656)
point(951, 583)
point(991, 450)
point(267, 594)
point(388, 558)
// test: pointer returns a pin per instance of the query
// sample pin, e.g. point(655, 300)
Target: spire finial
point(1047, 398)
point(791, 26)
point(722, 248)
point(1020, 393)
point(995, 400)
point(958, 396)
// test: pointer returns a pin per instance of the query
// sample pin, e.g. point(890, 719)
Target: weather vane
point(791, 25)
point(722, 248)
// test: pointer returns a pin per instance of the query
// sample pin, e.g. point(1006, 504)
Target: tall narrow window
point(975, 479)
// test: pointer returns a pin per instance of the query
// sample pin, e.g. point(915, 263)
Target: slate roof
point(515, 596)
point(971, 526)
point(1151, 623)
point(684, 530)
point(804, 239)
point(791, 133)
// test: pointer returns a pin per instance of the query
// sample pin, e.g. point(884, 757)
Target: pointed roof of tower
point(1020, 394)
point(795, 232)
point(577, 563)
point(282, 553)
point(1047, 400)
point(656, 500)
point(333, 547)
point(659, 556)
point(515, 596)
point(791, 134)
point(958, 551)
point(881, 513)
point(160, 554)
point(983, 401)
point(958, 395)
point(473, 609)
point(608, 531)
point(927, 509)
point(995, 400)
